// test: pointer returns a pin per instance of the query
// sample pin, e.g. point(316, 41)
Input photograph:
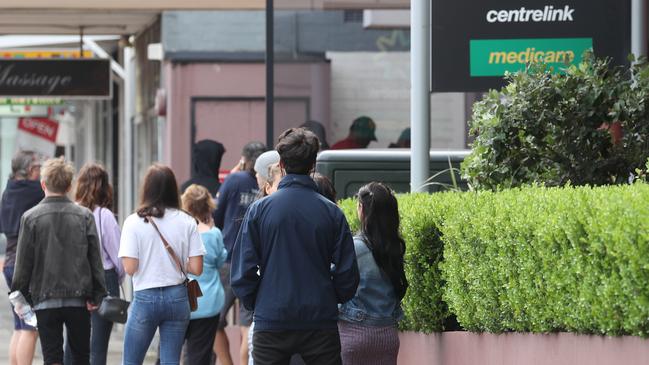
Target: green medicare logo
point(492, 57)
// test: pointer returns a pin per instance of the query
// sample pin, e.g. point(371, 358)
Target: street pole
point(270, 73)
point(127, 164)
point(639, 27)
point(419, 94)
point(126, 145)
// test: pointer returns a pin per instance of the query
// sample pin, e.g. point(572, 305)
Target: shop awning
point(115, 17)
point(52, 21)
point(158, 5)
point(161, 5)
point(126, 17)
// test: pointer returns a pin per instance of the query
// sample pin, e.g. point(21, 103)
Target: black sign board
point(76, 78)
point(475, 42)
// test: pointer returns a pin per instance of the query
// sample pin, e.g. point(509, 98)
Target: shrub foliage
point(532, 259)
point(559, 128)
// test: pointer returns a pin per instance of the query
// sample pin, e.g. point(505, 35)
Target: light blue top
point(375, 302)
point(212, 300)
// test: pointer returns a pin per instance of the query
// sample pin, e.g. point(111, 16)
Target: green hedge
point(528, 260)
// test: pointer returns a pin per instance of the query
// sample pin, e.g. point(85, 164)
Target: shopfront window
point(8, 129)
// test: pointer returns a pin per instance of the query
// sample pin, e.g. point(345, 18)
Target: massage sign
point(65, 78)
point(475, 42)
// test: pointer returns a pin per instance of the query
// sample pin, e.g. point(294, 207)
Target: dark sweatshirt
point(292, 238)
point(205, 166)
point(18, 197)
point(238, 191)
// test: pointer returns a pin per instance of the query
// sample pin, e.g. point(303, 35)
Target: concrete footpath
point(6, 329)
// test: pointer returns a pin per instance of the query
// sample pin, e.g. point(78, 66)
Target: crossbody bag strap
point(101, 235)
point(170, 250)
point(100, 224)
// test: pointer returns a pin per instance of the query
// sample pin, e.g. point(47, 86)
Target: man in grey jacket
point(58, 266)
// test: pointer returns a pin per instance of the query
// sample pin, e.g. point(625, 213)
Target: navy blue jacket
point(282, 260)
point(235, 195)
point(18, 197)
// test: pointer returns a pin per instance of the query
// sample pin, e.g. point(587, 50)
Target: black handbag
point(114, 309)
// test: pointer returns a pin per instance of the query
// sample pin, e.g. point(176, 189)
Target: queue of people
point(271, 235)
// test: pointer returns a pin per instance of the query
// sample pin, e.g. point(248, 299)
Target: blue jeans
point(166, 308)
point(101, 328)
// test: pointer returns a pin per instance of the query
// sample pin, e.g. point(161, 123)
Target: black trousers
point(319, 347)
point(50, 332)
point(199, 340)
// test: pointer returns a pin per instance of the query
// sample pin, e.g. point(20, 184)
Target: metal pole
point(127, 161)
point(419, 94)
point(127, 133)
point(270, 74)
point(639, 27)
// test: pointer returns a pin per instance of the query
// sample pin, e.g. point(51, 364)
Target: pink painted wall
point(465, 348)
point(234, 125)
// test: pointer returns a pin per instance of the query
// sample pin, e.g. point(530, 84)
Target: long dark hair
point(93, 188)
point(380, 227)
point(159, 192)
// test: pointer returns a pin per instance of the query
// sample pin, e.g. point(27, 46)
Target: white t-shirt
point(141, 241)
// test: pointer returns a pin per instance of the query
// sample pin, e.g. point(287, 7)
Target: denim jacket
point(375, 302)
point(58, 253)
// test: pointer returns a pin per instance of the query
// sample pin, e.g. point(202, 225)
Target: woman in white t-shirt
point(160, 299)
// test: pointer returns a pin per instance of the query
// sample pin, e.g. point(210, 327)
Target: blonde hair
point(57, 175)
point(198, 202)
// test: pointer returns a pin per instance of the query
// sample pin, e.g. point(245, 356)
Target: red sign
point(41, 127)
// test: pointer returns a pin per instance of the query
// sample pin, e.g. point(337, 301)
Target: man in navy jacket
point(294, 261)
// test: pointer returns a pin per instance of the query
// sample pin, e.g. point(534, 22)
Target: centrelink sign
point(475, 42)
point(547, 14)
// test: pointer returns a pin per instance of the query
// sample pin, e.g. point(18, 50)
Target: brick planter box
point(466, 348)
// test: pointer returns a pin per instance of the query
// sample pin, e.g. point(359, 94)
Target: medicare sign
point(475, 42)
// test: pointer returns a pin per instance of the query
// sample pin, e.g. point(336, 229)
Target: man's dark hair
point(250, 152)
point(298, 149)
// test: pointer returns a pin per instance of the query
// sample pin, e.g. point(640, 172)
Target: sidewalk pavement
point(115, 346)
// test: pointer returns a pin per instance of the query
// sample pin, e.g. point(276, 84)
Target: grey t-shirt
point(60, 303)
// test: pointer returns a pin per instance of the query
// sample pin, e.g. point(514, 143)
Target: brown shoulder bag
point(193, 289)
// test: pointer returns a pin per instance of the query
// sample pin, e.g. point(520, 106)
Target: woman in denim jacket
point(368, 322)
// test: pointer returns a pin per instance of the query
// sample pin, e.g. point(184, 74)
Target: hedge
point(531, 259)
